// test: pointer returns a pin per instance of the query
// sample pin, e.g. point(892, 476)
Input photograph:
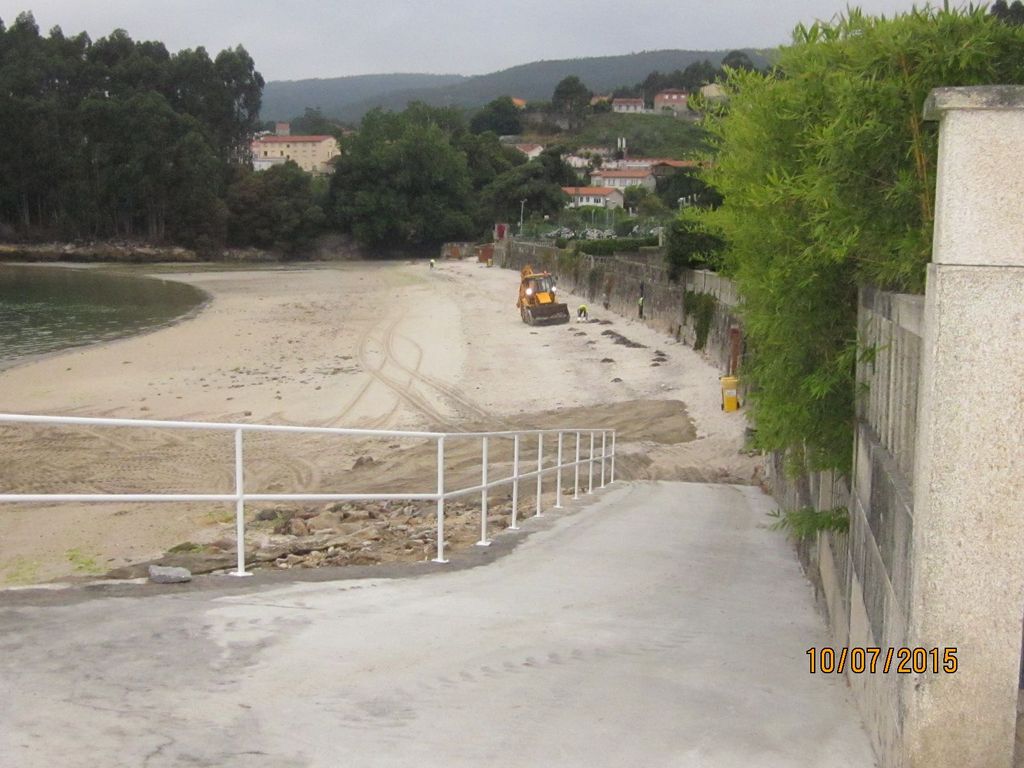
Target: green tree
point(400, 181)
point(118, 137)
point(572, 99)
point(538, 183)
point(500, 116)
point(828, 171)
point(312, 122)
point(737, 60)
point(1011, 14)
point(276, 208)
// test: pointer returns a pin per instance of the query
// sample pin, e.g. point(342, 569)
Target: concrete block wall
point(863, 578)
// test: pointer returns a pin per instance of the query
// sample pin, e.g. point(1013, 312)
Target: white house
point(603, 197)
point(620, 179)
point(628, 105)
point(532, 151)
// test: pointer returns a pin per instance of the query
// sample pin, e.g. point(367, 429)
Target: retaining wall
point(618, 281)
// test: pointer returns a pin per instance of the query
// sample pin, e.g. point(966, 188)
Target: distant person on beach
point(640, 306)
point(582, 314)
point(431, 263)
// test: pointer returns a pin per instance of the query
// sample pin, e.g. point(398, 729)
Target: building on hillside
point(670, 100)
point(312, 154)
point(596, 99)
point(602, 197)
point(628, 105)
point(663, 168)
point(636, 163)
point(621, 179)
point(264, 163)
point(519, 103)
point(603, 152)
point(578, 163)
point(532, 151)
point(714, 93)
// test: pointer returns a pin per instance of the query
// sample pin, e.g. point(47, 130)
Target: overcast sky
point(328, 38)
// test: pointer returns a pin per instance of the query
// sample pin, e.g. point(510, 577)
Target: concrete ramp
point(664, 625)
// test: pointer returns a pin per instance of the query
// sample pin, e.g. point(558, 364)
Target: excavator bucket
point(552, 312)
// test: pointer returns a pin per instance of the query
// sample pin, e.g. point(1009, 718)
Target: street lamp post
point(522, 208)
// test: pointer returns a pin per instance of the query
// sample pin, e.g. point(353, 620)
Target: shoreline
point(30, 359)
point(373, 345)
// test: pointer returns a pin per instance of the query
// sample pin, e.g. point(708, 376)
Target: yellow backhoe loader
point(537, 298)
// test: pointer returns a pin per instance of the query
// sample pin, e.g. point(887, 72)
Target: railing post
point(612, 480)
point(239, 507)
point(576, 481)
point(483, 499)
point(604, 439)
point(558, 475)
point(590, 466)
point(540, 466)
point(440, 501)
point(515, 483)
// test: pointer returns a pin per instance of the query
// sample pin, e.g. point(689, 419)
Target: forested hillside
point(534, 82)
point(284, 99)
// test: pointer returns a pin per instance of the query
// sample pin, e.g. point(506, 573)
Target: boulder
point(162, 574)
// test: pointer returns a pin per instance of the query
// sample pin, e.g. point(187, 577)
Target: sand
point(387, 346)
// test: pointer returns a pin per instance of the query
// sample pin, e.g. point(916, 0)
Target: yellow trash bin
point(730, 393)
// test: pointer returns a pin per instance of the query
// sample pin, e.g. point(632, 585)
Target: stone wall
point(619, 281)
point(862, 578)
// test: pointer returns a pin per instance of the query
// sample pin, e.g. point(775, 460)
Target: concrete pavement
point(662, 625)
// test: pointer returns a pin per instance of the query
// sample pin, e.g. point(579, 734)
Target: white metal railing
point(439, 495)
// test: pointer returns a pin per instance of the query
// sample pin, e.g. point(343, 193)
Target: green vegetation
point(808, 522)
point(690, 245)
point(500, 116)
point(828, 171)
point(615, 245)
point(702, 307)
point(83, 563)
point(117, 138)
point(349, 98)
point(420, 177)
point(571, 99)
point(646, 135)
point(277, 208)
point(690, 79)
point(19, 570)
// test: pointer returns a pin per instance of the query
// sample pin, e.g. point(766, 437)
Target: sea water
point(47, 309)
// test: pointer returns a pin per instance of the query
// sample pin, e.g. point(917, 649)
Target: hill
point(646, 135)
point(343, 99)
point(285, 99)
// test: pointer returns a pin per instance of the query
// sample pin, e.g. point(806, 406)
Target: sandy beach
point(376, 345)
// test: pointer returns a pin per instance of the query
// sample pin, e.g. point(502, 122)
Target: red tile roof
point(603, 191)
point(628, 173)
point(292, 139)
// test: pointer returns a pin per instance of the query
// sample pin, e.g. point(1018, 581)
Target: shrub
point(828, 172)
point(702, 307)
